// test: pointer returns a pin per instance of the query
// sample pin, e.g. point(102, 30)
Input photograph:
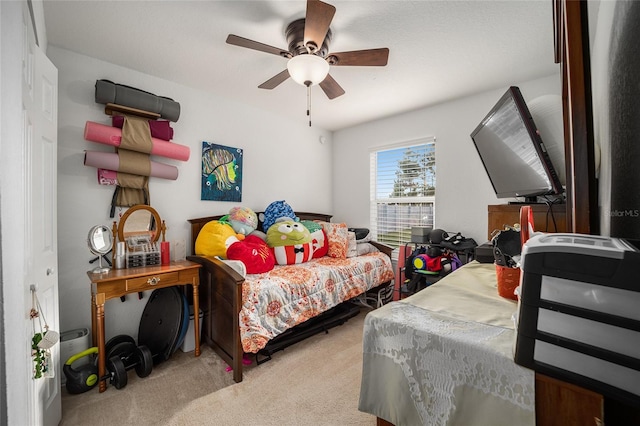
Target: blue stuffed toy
point(275, 211)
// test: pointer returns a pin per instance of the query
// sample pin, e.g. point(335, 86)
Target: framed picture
point(221, 173)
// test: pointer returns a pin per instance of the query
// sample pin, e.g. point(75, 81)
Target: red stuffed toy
point(320, 243)
point(254, 253)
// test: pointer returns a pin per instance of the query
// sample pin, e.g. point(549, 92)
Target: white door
point(40, 123)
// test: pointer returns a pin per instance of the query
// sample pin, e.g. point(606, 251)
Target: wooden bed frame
point(221, 297)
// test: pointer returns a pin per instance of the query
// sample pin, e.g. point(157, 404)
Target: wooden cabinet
point(546, 218)
point(557, 402)
point(562, 404)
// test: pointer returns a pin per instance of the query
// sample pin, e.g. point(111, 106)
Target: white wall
point(282, 160)
point(463, 188)
point(270, 171)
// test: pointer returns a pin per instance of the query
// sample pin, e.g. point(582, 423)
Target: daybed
point(245, 314)
point(444, 356)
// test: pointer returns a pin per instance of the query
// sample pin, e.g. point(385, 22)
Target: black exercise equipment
point(162, 322)
point(185, 323)
point(122, 355)
point(81, 379)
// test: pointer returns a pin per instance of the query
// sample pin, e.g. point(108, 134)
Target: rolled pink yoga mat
point(108, 135)
point(111, 161)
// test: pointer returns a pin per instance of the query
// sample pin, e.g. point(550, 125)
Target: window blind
point(403, 190)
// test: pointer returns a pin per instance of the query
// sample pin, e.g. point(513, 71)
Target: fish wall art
point(221, 173)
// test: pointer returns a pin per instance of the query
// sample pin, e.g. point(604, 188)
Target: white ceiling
point(439, 50)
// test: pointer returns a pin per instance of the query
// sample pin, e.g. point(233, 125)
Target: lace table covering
point(441, 367)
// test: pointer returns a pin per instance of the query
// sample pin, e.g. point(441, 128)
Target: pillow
point(291, 242)
point(212, 239)
point(243, 220)
point(362, 234)
point(337, 237)
point(352, 250)
point(291, 255)
point(275, 211)
point(237, 266)
point(254, 253)
point(318, 238)
point(311, 225)
point(320, 243)
point(287, 232)
point(365, 248)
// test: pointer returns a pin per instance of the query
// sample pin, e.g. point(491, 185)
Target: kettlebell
point(84, 378)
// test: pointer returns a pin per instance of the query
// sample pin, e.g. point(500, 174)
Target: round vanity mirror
point(100, 243)
point(139, 223)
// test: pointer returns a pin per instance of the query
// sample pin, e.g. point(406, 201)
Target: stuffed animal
point(254, 253)
point(214, 238)
point(243, 220)
point(290, 241)
point(275, 211)
point(319, 240)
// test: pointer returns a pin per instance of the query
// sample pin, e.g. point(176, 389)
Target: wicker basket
point(508, 280)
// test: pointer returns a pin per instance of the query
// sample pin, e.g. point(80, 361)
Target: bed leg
point(237, 375)
point(383, 422)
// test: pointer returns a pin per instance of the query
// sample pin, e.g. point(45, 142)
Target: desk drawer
point(152, 281)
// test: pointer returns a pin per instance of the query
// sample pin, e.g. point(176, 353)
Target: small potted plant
point(40, 356)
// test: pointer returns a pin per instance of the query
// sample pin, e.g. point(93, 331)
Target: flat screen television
point(512, 152)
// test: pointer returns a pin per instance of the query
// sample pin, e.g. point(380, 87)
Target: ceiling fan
point(308, 53)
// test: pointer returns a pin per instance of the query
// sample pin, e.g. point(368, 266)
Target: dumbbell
point(122, 355)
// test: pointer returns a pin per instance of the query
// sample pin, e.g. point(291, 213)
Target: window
point(403, 189)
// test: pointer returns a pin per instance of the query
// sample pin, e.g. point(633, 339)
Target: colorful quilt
point(288, 295)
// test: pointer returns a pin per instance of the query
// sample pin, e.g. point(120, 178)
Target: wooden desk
point(507, 214)
point(118, 282)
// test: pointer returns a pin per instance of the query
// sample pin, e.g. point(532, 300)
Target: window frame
point(375, 201)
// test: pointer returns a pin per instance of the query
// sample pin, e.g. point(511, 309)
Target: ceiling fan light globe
point(308, 68)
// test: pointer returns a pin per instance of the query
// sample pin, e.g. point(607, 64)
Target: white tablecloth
point(444, 356)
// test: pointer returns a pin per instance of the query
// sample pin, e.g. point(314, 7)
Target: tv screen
point(512, 151)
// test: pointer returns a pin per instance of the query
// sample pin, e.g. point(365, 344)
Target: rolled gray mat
point(110, 92)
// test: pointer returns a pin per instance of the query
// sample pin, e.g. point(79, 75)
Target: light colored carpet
point(314, 382)
point(151, 400)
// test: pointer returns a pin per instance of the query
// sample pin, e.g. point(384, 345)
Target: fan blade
point(371, 57)
point(250, 44)
point(316, 23)
point(331, 88)
point(274, 81)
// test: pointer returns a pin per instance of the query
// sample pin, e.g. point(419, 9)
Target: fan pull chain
point(308, 84)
